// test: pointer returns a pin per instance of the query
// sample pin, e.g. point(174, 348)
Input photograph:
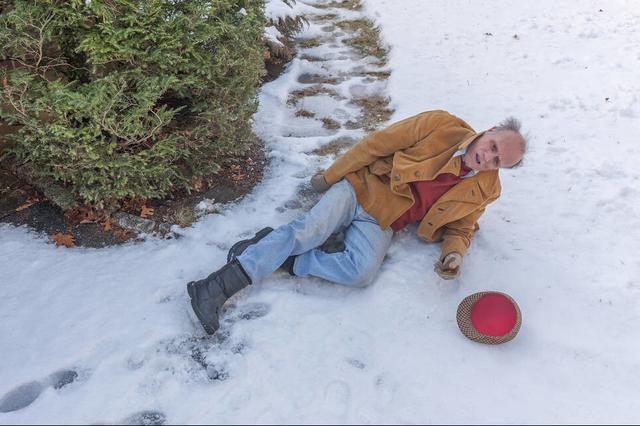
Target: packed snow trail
point(104, 335)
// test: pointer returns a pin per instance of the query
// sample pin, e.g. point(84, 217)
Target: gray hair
point(512, 124)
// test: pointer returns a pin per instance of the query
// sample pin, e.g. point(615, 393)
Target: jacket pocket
point(382, 166)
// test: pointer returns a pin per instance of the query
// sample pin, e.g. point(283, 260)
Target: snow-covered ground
point(563, 240)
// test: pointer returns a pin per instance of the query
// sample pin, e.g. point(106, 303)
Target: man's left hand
point(450, 266)
point(319, 183)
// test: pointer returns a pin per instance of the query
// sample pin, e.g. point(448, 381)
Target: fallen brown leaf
point(64, 240)
point(31, 200)
point(146, 212)
point(88, 220)
point(107, 224)
point(86, 214)
point(24, 206)
point(122, 234)
point(133, 204)
point(198, 184)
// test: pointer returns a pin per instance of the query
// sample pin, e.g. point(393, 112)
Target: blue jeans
point(366, 243)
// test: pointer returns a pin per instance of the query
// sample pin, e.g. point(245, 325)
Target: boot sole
point(259, 235)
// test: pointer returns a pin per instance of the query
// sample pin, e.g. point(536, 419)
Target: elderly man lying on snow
point(432, 168)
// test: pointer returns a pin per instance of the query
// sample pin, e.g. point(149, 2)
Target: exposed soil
point(21, 204)
point(237, 177)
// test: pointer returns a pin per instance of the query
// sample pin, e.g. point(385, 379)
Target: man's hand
point(319, 183)
point(449, 268)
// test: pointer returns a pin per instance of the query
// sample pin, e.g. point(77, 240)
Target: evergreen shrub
point(126, 98)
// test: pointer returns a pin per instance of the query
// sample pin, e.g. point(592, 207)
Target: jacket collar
point(460, 153)
point(465, 143)
point(462, 150)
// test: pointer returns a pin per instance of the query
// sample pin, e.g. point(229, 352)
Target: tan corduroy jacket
point(381, 166)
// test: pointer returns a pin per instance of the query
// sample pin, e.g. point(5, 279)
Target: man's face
point(494, 149)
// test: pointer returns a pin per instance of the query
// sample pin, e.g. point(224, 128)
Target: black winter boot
point(239, 247)
point(208, 295)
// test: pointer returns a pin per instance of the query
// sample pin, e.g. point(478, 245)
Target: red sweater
point(425, 194)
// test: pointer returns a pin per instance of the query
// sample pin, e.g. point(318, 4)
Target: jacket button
point(418, 174)
point(396, 177)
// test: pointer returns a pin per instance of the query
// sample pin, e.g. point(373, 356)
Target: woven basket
point(466, 326)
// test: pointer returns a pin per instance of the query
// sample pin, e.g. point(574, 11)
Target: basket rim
point(463, 318)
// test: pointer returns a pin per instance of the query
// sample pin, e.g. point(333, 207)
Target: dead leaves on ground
point(89, 214)
point(237, 174)
point(239, 171)
point(198, 184)
point(134, 204)
point(107, 225)
point(86, 215)
point(31, 200)
point(122, 234)
point(65, 240)
point(145, 212)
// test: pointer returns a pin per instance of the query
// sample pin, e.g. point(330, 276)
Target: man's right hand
point(319, 183)
point(450, 266)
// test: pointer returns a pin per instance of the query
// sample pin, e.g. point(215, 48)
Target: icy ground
point(91, 335)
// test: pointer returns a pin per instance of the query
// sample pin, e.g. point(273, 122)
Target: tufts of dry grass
point(330, 123)
point(304, 113)
point(296, 95)
point(366, 38)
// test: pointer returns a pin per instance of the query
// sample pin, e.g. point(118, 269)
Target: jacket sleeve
point(384, 143)
point(457, 235)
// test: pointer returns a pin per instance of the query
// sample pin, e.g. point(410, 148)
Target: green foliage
point(121, 98)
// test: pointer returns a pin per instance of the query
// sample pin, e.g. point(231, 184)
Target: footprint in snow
point(249, 311)
point(202, 352)
point(217, 372)
point(62, 378)
point(24, 395)
point(356, 363)
point(145, 418)
point(21, 397)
